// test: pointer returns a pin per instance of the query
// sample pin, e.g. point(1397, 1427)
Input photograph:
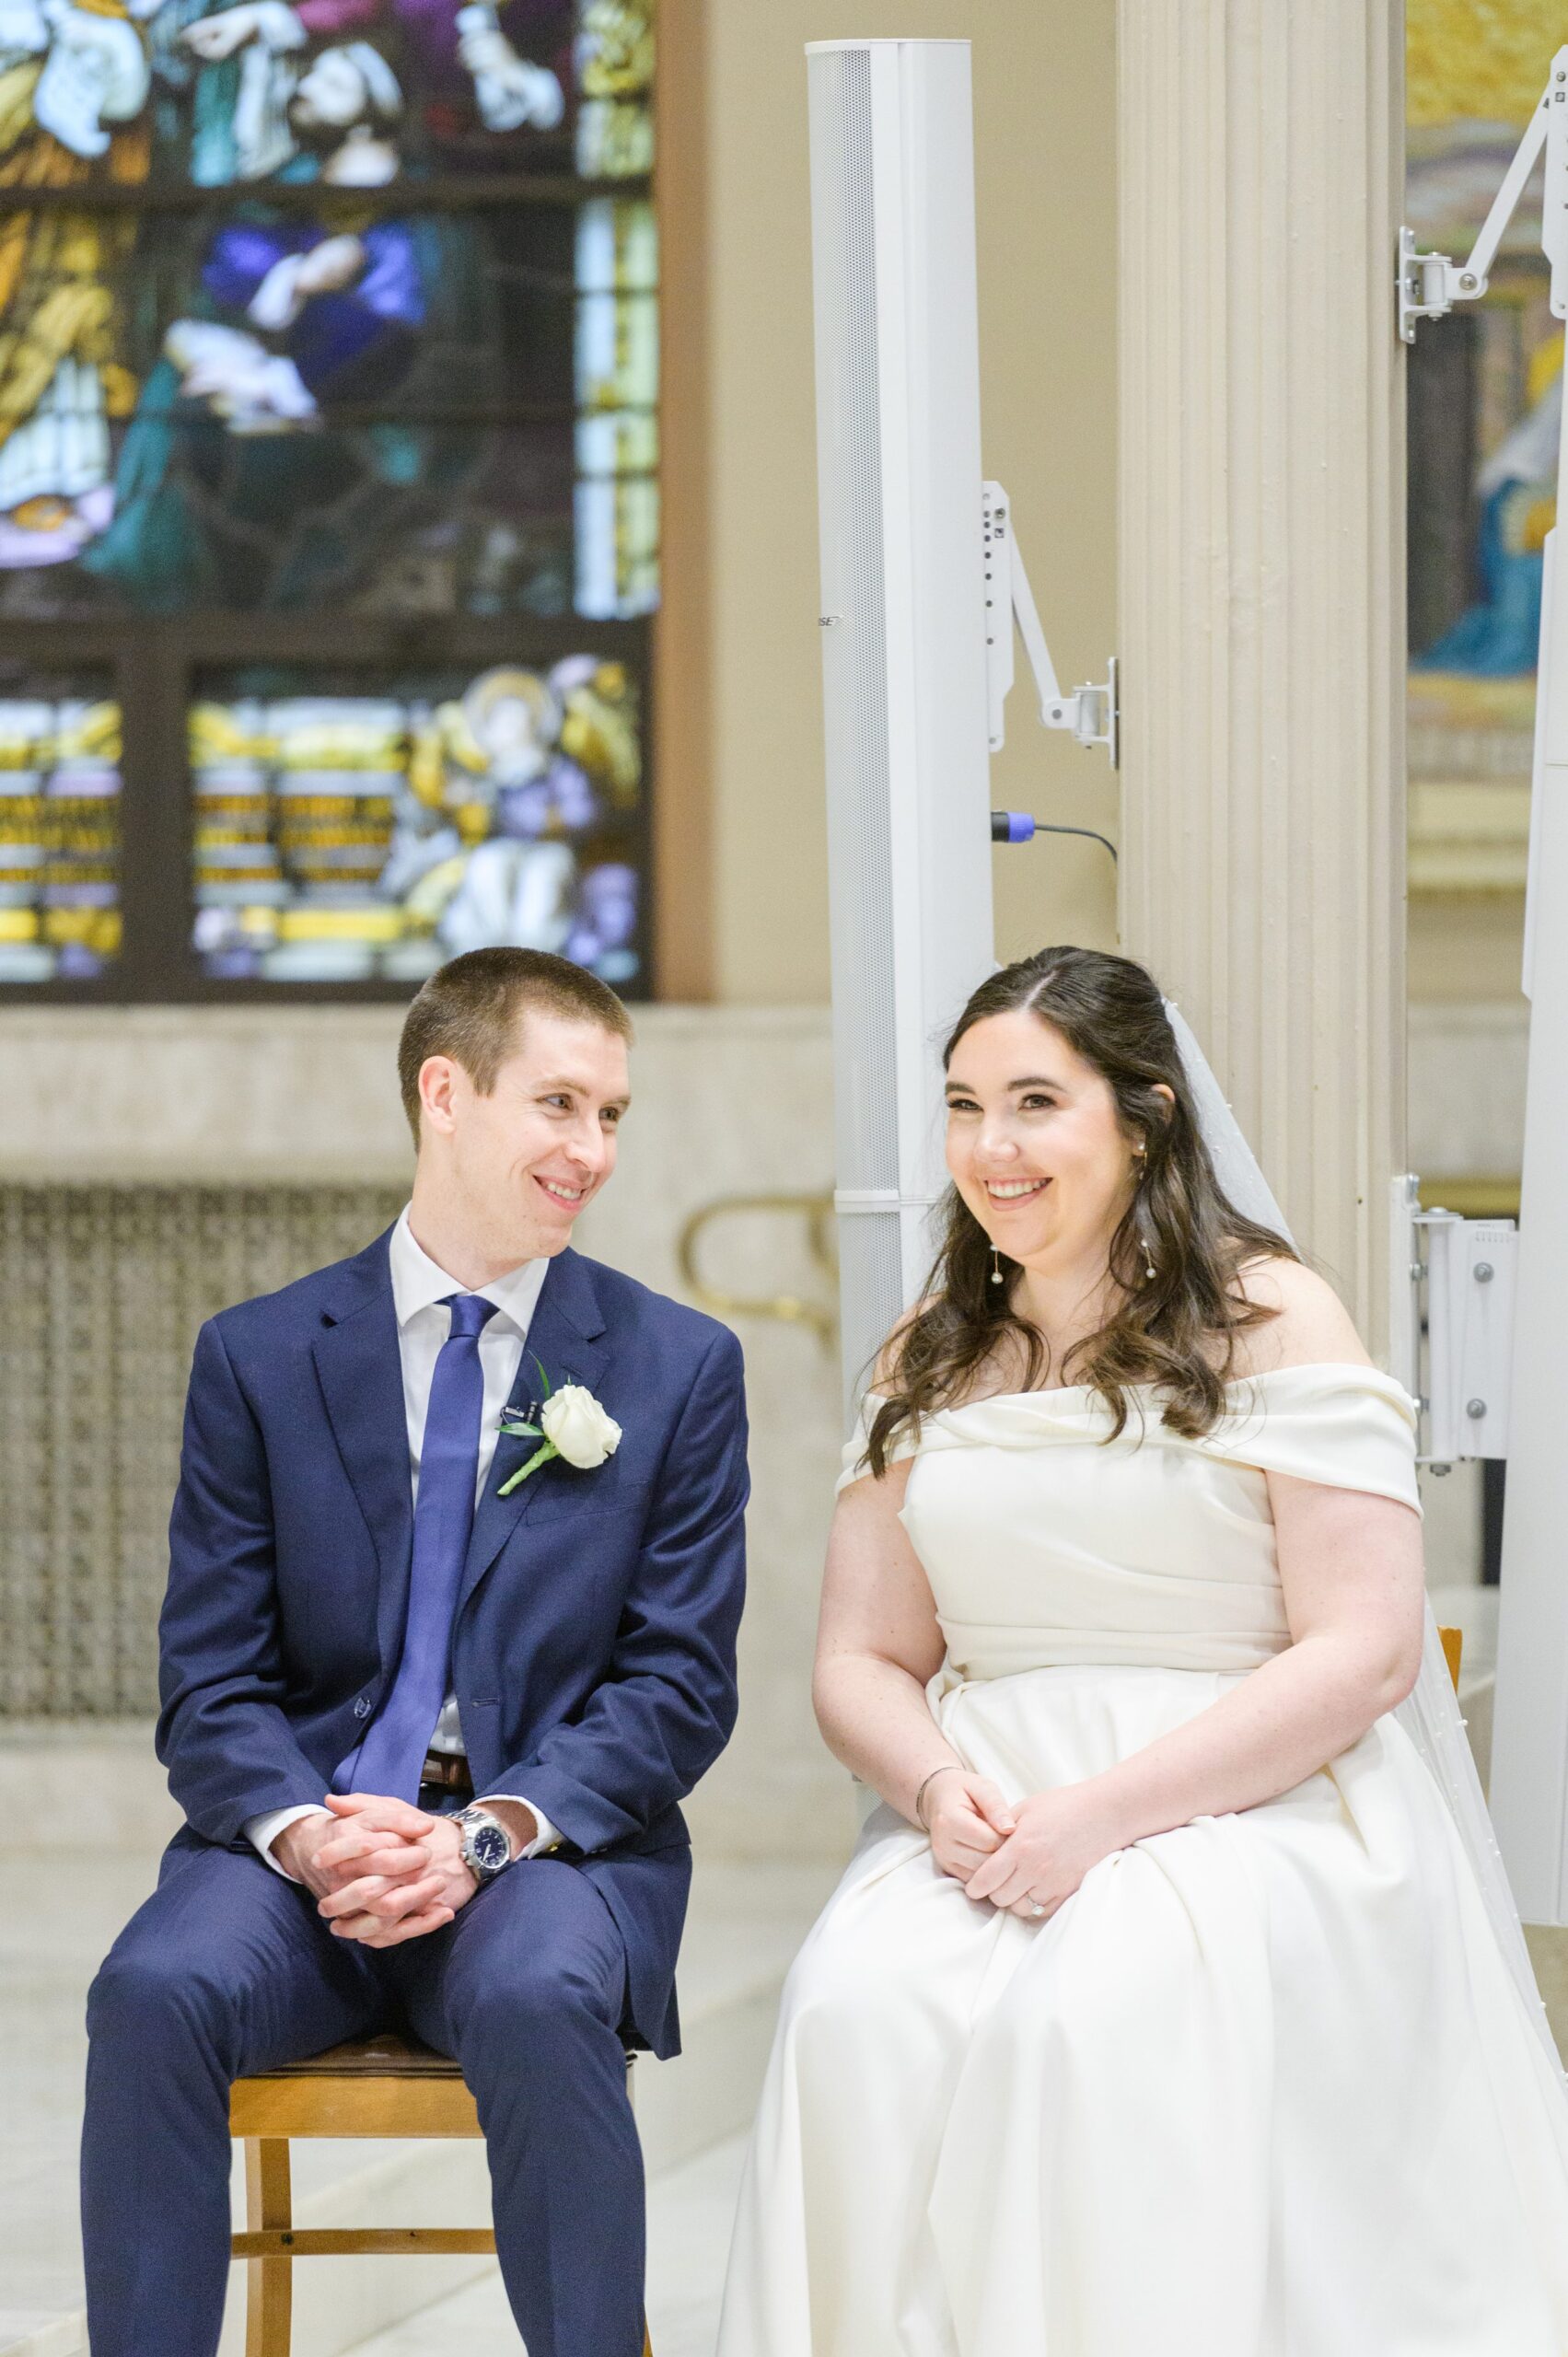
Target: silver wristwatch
point(487, 1845)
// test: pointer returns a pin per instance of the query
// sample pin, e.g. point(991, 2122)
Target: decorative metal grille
point(101, 1292)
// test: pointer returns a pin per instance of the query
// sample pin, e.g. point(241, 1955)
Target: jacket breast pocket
point(557, 1503)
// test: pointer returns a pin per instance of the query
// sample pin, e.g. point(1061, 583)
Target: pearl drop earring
point(995, 1266)
point(1140, 1154)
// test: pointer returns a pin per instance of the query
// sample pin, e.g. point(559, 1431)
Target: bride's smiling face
point(1034, 1144)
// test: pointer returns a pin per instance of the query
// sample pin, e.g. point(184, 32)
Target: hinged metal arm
point(1430, 285)
point(1089, 712)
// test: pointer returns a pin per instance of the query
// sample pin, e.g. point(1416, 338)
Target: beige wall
point(1045, 138)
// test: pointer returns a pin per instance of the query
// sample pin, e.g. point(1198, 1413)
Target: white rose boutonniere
point(578, 1428)
point(571, 1424)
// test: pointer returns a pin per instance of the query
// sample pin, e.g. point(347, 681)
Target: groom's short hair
point(473, 1008)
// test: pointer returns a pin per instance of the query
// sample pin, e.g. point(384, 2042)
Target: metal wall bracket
point(1091, 712)
point(1429, 286)
point(1453, 1281)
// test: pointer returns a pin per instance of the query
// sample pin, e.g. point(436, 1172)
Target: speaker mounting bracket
point(1090, 712)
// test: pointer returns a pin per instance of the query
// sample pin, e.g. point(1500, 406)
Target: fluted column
point(1261, 572)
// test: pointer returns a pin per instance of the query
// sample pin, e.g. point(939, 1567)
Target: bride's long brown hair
point(1176, 1330)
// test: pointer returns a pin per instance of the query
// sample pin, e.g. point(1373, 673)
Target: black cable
point(1088, 832)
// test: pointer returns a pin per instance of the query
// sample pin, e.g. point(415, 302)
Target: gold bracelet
point(949, 1768)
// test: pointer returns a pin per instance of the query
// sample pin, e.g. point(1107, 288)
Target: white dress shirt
point(419, 1289)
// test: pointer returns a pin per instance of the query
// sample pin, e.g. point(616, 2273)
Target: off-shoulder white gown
point(1264, 2086)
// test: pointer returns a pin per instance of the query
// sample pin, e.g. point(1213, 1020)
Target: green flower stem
point(542, 1455)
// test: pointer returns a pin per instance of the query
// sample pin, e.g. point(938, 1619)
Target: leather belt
point(448, 1770)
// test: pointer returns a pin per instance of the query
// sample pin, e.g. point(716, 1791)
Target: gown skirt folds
point(1264, 2086)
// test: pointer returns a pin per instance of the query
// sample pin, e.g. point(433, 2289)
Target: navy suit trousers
point(228, 1970)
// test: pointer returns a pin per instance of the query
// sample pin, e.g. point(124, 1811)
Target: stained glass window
point(449, 410)
point(59, 828)
point(341, 312)
point(343, 836)
point(255, 91)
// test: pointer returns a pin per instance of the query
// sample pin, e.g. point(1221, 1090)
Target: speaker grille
point(870, 1294)
point(854, 648)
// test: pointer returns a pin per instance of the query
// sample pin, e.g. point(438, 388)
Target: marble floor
point(53, 1931)
point(689, 2214)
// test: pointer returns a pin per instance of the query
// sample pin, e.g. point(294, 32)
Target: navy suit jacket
point(593, 1652)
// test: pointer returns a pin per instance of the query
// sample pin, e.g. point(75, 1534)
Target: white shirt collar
point(418, 1284)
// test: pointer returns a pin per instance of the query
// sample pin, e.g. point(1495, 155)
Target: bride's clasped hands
point(1026, 1860)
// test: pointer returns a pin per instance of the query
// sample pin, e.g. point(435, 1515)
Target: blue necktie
point(392, 1755)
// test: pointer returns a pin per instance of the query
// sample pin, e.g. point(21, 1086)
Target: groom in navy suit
point(433, 1691)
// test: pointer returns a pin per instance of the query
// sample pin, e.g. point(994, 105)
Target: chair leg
point(269, 2202)
point(647, 2343)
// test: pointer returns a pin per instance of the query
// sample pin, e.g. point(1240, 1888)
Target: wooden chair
point(381, 2086)
point(1453, 1651)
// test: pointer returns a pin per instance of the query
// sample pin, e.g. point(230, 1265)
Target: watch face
point(488, 1847)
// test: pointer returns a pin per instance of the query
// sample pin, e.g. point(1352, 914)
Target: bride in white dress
point(1133, 2029)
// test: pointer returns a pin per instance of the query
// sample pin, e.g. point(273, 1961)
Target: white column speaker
point(903, 634)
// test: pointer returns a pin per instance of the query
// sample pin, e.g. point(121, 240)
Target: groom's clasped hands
point(1026, 1859)
point(381, 1870)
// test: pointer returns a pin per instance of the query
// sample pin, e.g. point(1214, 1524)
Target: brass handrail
point(789, 1307)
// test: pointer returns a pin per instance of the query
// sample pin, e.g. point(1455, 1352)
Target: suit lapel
point(360, 1370)
point(566, 1338)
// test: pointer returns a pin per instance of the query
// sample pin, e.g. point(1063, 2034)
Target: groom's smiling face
point(526, 1158)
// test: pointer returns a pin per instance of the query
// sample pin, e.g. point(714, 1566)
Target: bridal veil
point(1430, 1715)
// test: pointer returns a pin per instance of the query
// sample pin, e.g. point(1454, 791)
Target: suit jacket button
point(362, 1707)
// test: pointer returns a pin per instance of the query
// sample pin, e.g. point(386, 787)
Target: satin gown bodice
point(1047, 1543)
